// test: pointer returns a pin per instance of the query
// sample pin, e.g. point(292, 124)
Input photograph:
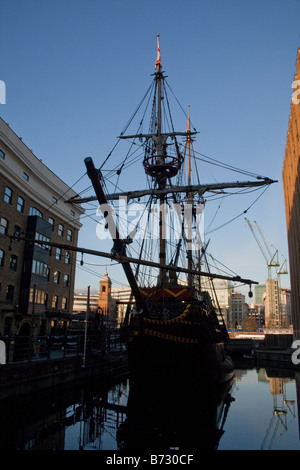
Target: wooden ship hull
point(180, 338)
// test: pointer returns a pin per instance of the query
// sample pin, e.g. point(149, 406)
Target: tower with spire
point(106, 303)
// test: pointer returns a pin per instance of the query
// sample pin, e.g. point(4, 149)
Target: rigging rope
point(239, 215)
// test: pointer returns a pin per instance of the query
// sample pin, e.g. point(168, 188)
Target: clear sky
point(75, 70)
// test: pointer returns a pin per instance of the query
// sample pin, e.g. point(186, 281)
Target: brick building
point(33, 277)
point(291, 186)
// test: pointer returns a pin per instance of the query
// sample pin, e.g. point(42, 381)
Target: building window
point(10, 293)
point(25, 176)
point(66, 280)
point(39, 268)
point(64, 303)
point(8, 195)
point(54, 200)
point(67, 257)
point(2, 154)
point(17, 232)
point(54, 302)
point(20, 204)
point(60, 230)
point(72, 213)
point(56, 277)
point(69, 235)
point(39, 296)
point(3, 226)
point(51, 221)
point(35, 211)
point(58, 253)
point(42, 238)
point(1, 258)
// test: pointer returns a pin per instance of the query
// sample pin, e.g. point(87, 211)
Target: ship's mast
point(190, 205)
point(162, 177)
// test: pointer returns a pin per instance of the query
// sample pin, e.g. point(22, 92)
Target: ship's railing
point(16, 348)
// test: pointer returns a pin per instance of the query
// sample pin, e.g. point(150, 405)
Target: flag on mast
point(188, 128)
point(157, 62)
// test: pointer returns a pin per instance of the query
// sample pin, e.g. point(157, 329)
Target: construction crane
point(271, 260)
point(282, 270)
point(272, 308)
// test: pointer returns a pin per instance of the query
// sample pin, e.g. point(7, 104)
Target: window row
point(8, 199)
point(58, 251)
point(42, 269)
point(59, 257)
point(35, 211)
point(41, 297)
point(39, 268)
point(56, 278)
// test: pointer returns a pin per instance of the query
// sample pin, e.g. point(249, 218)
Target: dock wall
point(18, 379)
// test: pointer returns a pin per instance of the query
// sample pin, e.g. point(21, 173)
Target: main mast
point(190, 204)
point(162, 178)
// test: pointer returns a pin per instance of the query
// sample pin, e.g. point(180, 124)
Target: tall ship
point(172, 326)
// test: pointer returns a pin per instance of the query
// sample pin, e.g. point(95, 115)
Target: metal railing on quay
point(59, 345)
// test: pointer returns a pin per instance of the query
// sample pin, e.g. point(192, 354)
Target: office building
point(220, 291)
point(238, 310)
point(291, 186)
point(34, 278)
point(260, 293)
point(272, 319)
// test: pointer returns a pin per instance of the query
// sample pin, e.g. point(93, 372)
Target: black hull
point(150, 358)
point(190, 343)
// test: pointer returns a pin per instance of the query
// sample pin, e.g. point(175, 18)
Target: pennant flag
point(157, 62)
point(188, 128)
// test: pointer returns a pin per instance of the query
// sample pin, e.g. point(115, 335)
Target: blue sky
point(75, 70)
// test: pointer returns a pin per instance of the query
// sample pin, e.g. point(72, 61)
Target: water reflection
point(258, 410)
point(284, 409)
point(164, 417)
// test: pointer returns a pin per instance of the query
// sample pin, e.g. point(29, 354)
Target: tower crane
point(280, 271)
point(272, 302)
point(283, 269)
point(271, 261)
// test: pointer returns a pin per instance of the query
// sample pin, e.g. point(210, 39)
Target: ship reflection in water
point(165, 417)
point(258, 410)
